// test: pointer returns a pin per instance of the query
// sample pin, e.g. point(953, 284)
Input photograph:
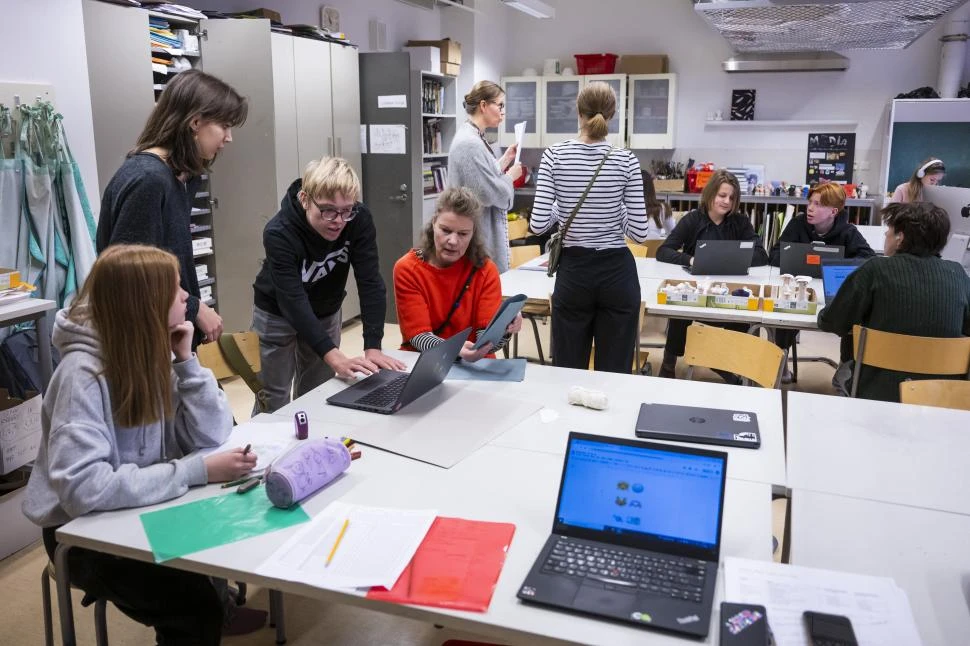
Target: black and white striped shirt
point(614, 206)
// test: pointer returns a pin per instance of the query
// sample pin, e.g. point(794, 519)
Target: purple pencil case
point(307, 467)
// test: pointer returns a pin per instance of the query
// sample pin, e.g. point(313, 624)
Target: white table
point(924, 551)
point(33, 309)
point(549, 386)
point(896, 453)
point(495, 483)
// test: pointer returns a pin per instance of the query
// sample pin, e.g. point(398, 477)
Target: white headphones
point(922, 169)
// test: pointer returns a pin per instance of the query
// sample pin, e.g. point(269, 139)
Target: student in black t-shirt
point(149, 199)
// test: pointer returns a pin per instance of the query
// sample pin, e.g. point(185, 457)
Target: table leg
point(44, 350)
point(63, 581)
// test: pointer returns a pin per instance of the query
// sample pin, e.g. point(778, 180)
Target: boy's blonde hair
point(324, 178)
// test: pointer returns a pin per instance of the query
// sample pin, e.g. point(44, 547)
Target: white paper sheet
point(388, 139)
point(519, 137)
point(268, 440)
point(878, 608)
point(377, 546)
point(392, 101)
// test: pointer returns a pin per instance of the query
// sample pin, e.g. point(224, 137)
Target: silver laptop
point(701, 425)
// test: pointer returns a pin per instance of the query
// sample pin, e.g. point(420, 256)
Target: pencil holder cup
point(306, 468)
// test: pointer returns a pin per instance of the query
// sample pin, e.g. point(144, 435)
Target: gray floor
point(307, 621)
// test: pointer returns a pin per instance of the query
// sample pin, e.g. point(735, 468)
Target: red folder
point(456, 566)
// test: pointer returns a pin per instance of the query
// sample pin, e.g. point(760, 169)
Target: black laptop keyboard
point(674, 577)
point(386, 394)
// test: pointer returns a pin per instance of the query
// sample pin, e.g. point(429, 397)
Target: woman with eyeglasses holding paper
point(319, 233)
point(472, 164)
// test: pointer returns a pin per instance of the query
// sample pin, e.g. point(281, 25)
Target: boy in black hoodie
point(319, 232)
point(825, 221)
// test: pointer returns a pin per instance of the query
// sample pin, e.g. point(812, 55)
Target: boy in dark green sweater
point(909, 291)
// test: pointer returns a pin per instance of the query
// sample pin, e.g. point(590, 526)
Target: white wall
point(43, 42)
point(404, 22)
point(671, 27)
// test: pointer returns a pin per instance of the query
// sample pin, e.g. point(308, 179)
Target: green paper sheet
point(183, 529)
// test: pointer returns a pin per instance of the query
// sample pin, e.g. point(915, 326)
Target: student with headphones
point(930, 173)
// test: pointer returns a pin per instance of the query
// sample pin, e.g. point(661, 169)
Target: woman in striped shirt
point(597, 294)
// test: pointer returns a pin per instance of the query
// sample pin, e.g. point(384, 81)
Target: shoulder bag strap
point(454, 306)
point(234, 357)
point(582, 198)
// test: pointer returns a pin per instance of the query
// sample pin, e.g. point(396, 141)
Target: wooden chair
point(942, 393)
point(645, 249)
point(743, 354)
point(523, 254)
point(922, 355)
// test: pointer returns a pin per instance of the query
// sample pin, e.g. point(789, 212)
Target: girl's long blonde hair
point(127, 298)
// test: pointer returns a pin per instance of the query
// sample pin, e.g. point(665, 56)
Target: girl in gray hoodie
point(125, 409)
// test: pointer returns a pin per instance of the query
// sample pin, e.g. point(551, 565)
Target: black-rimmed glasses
point(329, 212)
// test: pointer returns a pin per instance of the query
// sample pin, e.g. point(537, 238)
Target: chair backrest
point(523, 254)
point(645, 249)
point(924, 355)
point(211, 355)
point(943, 393)
point(743, 354)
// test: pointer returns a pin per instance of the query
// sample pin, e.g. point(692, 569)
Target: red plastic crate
point(596, 63)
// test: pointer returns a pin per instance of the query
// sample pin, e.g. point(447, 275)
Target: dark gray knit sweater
point(905, 294)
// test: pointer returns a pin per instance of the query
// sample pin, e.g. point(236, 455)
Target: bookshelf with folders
point(438, 122)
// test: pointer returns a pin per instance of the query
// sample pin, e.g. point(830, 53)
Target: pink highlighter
point(302, 425)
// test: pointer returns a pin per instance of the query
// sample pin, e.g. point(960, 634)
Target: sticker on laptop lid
point(813, 259)
point(746, 436)
point(742, 417)
point(736, 623)
point(747, 244)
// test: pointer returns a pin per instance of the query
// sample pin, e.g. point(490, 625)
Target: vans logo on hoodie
point(320, 269)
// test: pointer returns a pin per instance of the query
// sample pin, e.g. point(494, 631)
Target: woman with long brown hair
point(449, 283)
point(125, 411)
point(929, 173)
point(149, 199)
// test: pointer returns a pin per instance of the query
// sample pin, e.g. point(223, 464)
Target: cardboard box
point(450, 69)
point(787, 306)
point(728, 302)
point(690, 300)
point(20, 431)
point(268, 14)
point(518, 229)
point(450, 49)
point(642, 64)
point(9, 278)
point(18, 532)
point(425, 59)
point(668, 185)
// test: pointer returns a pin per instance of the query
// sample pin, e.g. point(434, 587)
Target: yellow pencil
point(336, 543)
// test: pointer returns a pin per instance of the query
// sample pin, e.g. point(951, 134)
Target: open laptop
point(834, 273)
point(703, 425)
point(805, 259)
point(722, 257)
point(636, 536)
point(388, 391)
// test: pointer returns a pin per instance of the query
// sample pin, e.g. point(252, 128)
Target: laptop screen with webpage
point(642, 494)
point(834, 274)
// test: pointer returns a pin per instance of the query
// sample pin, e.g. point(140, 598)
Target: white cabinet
point(559, 116)
point(523, 102)
point(616, 125)
point(652, 106)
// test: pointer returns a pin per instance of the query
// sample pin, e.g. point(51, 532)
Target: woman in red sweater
point(449, 283)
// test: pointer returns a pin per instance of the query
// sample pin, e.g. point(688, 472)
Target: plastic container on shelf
point(596, 63)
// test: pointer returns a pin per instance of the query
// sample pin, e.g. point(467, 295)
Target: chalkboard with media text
point(830, 157)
